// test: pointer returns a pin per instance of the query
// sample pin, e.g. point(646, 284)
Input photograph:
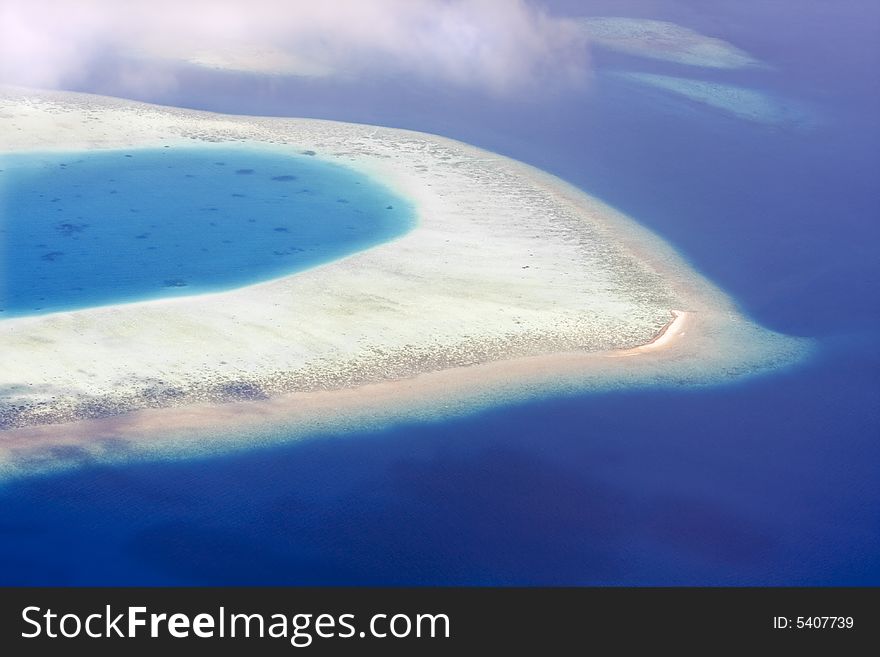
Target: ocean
point(769, 480)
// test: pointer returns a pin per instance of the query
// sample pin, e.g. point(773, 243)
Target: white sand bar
point(512, 282)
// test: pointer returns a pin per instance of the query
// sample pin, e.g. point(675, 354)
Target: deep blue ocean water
point(97, 228)
point(772, 480)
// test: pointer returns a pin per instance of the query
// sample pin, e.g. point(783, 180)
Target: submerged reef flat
point(663, 40)
point(511, 283)
point(741, 102)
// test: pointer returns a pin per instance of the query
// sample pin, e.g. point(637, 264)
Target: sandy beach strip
point(205, 428)
point(513, 283)
point(671, 331)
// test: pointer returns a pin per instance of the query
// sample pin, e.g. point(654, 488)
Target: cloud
point(499, 45)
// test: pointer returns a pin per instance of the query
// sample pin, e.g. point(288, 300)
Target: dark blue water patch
point(766, 482)
point(97, 228)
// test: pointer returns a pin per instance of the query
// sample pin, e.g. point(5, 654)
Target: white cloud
point(500, 45)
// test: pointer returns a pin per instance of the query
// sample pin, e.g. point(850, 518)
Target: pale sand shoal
point(512, 284)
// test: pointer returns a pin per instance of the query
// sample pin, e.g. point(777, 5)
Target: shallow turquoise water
point(97, 228)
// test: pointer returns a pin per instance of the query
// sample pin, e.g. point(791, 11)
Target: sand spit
point(512, 283)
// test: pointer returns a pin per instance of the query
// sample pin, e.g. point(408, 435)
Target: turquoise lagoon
point(107, 227)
